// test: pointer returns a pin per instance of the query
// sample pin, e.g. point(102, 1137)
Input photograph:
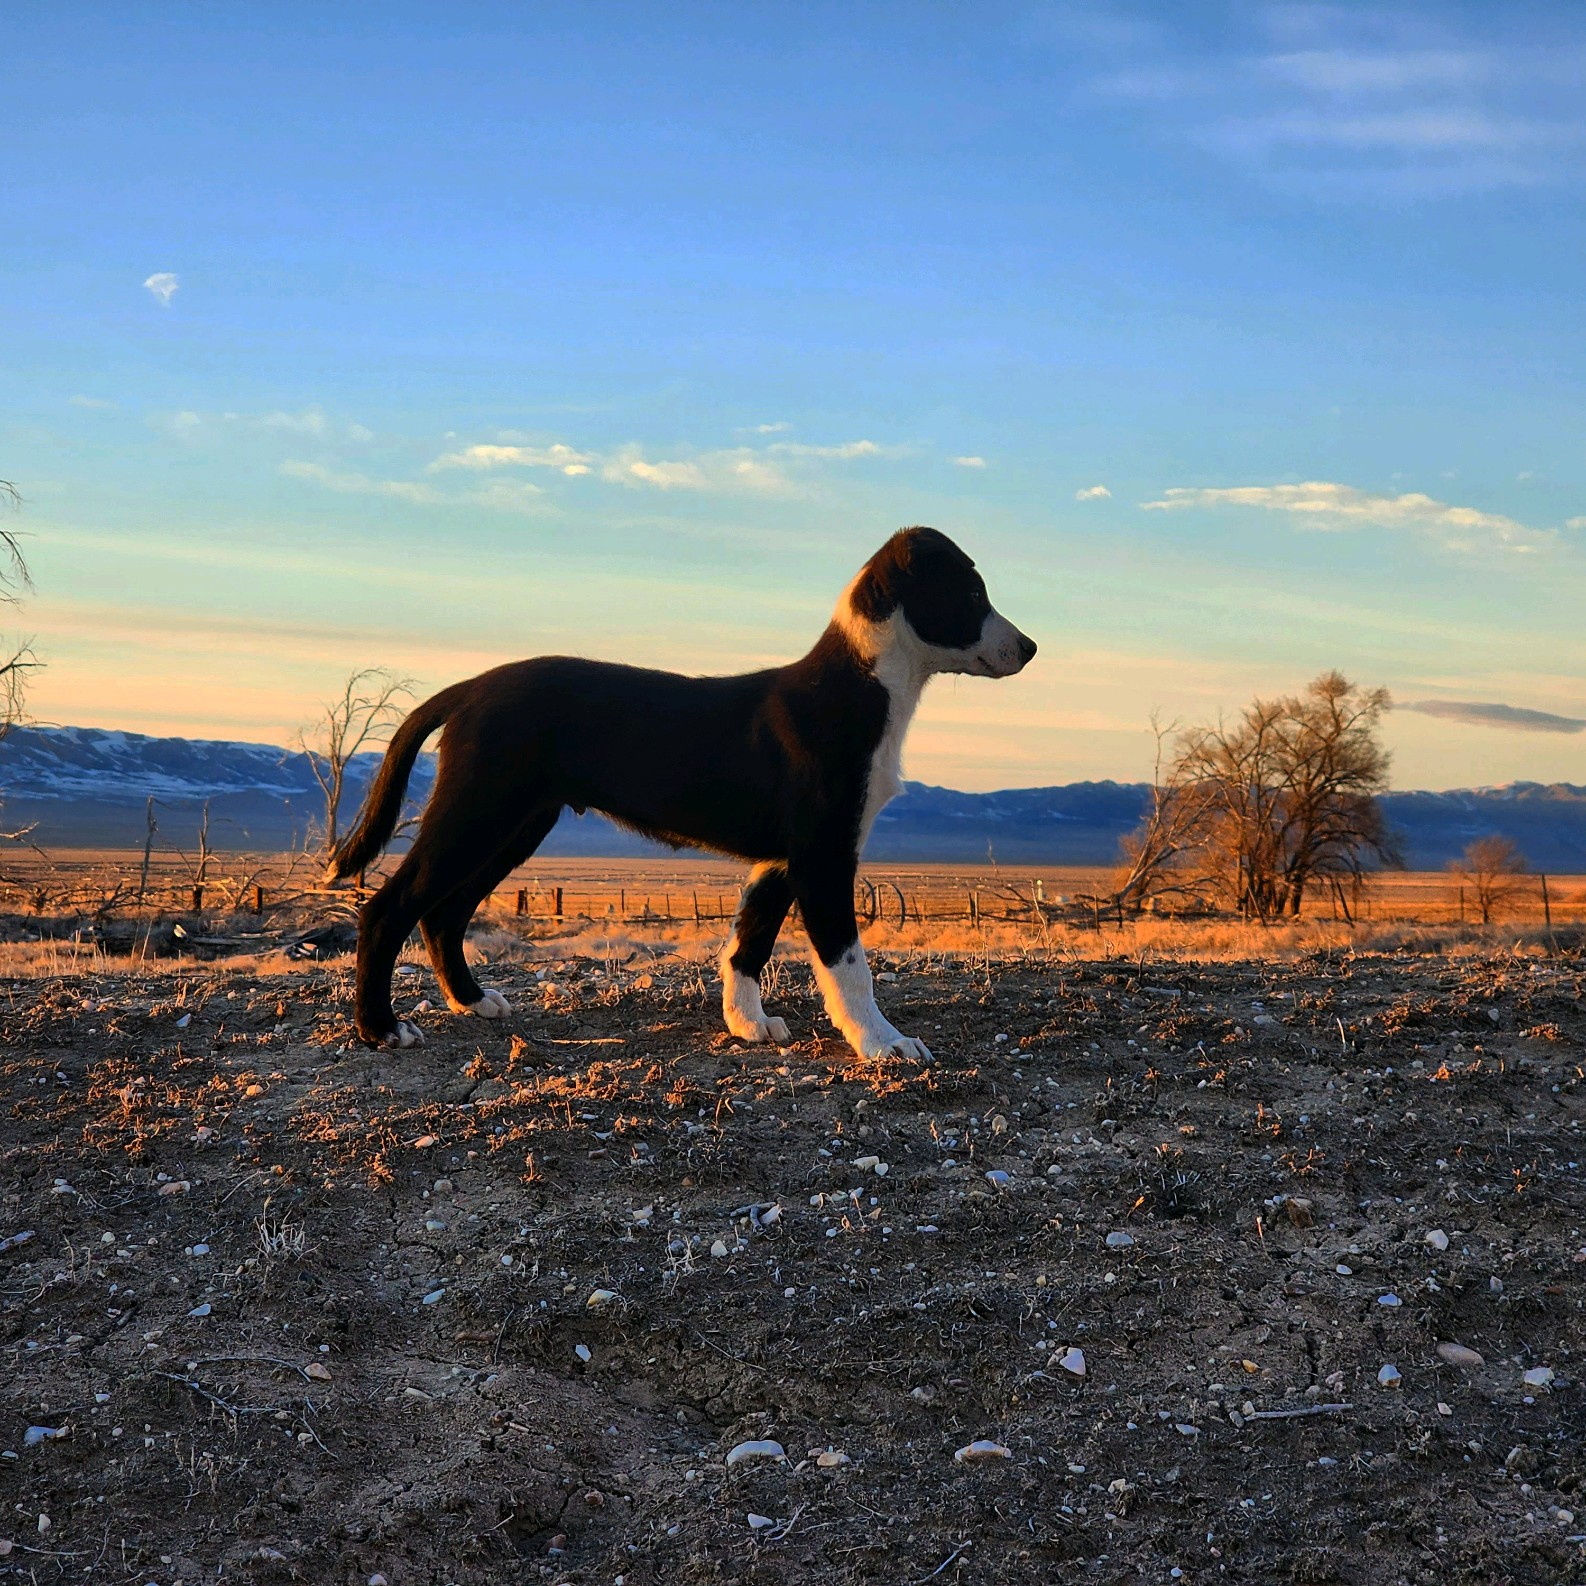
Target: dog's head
point(922, 595)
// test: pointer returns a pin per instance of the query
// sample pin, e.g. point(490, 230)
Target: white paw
point(492, 1005)
point(405, 1034)
point(763, 1029)
point(885, 1041)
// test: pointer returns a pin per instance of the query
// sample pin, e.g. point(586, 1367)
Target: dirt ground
point(497, 1309)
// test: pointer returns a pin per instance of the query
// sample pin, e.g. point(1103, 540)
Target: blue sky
point(1235, 341)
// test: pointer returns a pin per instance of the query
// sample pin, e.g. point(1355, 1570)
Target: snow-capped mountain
point(87, 787)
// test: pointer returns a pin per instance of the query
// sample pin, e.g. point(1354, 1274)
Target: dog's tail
point(382, 805)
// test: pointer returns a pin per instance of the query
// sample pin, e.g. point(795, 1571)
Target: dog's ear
point(878, 591)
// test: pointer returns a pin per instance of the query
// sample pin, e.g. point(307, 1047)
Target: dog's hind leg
point(761, 911)
point(456, 848)
point(444, 926)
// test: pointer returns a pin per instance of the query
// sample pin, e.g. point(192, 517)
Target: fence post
point(696, 908)
point(557, 901)
point(1547, 907)
point(258, 898)
point(523, 901)
point(198, 898)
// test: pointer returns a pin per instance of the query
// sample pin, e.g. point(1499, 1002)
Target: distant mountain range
point(88, 788)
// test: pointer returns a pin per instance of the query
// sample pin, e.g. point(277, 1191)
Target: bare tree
point(1160, 858)
point(370, 703)
point(15, 581)
point(1491, 868)
point(1265, 806)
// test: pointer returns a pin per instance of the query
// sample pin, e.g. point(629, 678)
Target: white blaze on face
point(850, 997)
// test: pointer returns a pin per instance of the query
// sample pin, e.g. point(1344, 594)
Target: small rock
point(719, 1248)
point(583, 1352)
point(316, 1372)
point(756, 1448)
point(425, 1141)
point(377, 1579)
point(1301, 1212)
point(982, 1449)
point(1344, 1271)
point(1539, 1377)
point(997, 1179)
point(642, 1215)
point(831, 1458)
point(1072, 1361)
point(1392, 1301)
point(434, 1297)
point(1389, 1377)
point(866, 1164)
point(42, 1434)
point(1436, 1238)
point(178, 1186)
point(201, 1310)
point(1120, 1241)
point(1459, 1355)
point(600, 1297)
point(760, 1522)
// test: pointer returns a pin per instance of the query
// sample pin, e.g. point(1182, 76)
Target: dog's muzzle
point(1003, 650)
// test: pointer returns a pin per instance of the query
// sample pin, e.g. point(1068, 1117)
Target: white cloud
point(969, 462)
point(350, 484)
point(845, 449)
point(95, 402)
point(163, 285)
point(739, 470)
point(557, 456)
point(1361, 103)
point(767, 429)
point(311, 421)
point(499, 495)
point(1575, 523)
point(1094, 493)
point(1323, 504)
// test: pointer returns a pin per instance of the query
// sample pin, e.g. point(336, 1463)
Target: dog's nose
point(1026, 649)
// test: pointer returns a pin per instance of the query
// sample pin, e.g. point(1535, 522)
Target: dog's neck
point(891, 652)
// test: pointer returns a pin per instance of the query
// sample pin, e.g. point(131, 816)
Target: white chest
point(885, 780)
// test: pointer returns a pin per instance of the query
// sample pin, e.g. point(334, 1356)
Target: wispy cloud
point(1360, 102)
point(354, 484)
point(558, 456)
point(1322, 504)
point(96, 403)
point(1513, 717)
point(1095, 493)
point(498, 495)
point(738, 470)
point(766, 429)
point(843, 450)
point(1575, 523)
point(162, 284)
point(969, 462)
point(311, 423)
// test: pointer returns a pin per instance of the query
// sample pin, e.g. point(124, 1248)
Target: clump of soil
point(497, 1308)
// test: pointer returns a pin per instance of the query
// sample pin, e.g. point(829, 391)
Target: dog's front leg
point(761, 911)
point(826, 897)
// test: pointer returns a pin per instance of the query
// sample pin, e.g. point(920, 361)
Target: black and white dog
point(786, 768)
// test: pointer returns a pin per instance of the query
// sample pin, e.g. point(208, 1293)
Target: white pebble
point(1392, 1301)
point(599, 1297)
point(583, 1353)
point(760, 1522)
point(1539, 1377)
point(718, 1247)
point(1119, 1241)
point(1458, 1355)
point(434, 1297)
point(1073, 1361)
point(755, 1448)
point(1389, 1377)
point(1437, 1239)
point(982, 1448)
